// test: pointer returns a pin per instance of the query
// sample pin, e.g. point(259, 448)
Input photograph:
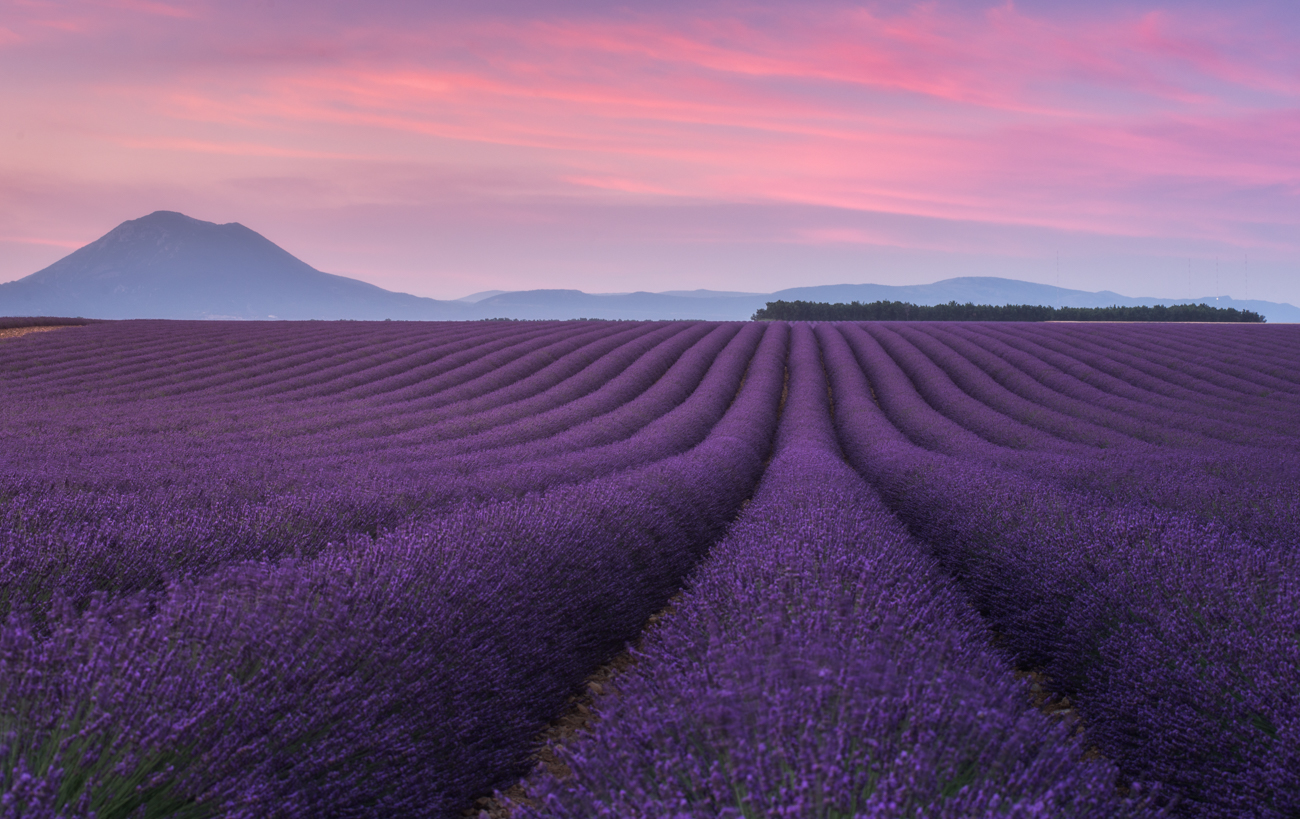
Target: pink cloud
point(1123, 122)
point(621, 185)
point(41, 240)
point(250, 149)
point(155, 8)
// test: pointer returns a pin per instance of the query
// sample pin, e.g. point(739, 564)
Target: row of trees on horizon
point(952, 311)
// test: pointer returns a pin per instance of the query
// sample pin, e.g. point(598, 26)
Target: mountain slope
point(168, 265)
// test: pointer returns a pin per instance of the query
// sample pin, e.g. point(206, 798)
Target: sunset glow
point(1152, 149)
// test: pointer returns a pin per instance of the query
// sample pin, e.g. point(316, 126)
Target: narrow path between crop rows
point(15, 332)
point(580, 713)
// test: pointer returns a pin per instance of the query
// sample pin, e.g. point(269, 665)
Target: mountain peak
point(167, 264)
point(163, 216)
point(172, 222)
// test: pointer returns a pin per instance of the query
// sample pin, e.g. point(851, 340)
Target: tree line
point(952, 311)
point(18, 322)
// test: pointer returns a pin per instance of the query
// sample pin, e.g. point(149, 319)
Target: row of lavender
point(115, 495)
point(1172, 630)
point(1178, 443)
point(399, 671)
point(821, 665)
point(984, 442)
point(1166, 606)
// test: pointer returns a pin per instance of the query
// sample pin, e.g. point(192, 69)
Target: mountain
point(553, 304)
point(731, 306)
point(168, 265)
point(475, 297)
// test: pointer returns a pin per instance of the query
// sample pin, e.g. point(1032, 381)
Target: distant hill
point(168, 265)
point(730, 306)
point(551, 304)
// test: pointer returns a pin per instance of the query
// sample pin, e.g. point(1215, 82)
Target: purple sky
point(734, 146)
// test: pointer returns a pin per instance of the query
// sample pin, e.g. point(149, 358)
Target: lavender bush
point(820, 665)
point(1126, 607)
point(398, 674)
point(352, 569)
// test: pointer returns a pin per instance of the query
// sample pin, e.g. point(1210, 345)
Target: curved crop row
point(75, 543)
point(1229, 484)
point(337, 568)
point(399, 674)
point(1124, 607)
point(820, 665)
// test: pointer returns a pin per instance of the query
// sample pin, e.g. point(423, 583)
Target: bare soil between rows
point(577, 717)
point(14, 332)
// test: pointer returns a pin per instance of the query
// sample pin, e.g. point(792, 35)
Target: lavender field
point(351, 569)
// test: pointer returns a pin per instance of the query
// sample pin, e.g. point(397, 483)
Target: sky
point(442, 148)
